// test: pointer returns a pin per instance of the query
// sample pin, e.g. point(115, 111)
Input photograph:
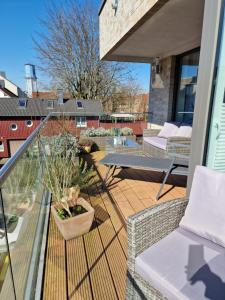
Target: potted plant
point(64, 177)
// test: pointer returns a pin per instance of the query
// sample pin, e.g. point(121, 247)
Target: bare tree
point(69, 52)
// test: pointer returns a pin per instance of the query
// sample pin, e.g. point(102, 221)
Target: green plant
point(126, 131)
point(57, 144)
point(13, 219)
point(19, 187)
point(83, 175)
point(94, 132)
point(63, 171)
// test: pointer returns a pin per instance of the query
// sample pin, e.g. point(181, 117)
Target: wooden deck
point(94, 266)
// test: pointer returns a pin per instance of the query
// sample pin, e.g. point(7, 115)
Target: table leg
point(167, 173)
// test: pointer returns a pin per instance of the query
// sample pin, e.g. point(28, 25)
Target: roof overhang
point(173, 29)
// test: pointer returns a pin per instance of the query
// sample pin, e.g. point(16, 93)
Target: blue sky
point(18, 22)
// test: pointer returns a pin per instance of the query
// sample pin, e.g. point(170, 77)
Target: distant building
point(8, 88)
point(31, 79)
point(19, 117)
point(44, 95)
point(135, 104)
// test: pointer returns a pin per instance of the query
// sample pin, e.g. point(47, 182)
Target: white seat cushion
point(184, 131)
point(205, 213)
point(156, 141)
point(168, 130)
point(184, 266)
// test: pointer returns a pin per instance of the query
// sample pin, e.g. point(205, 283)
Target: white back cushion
point(205, 213)
point(168, 130)
point(184, 131)
point(156, 141)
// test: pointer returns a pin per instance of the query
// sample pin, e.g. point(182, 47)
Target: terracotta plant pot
point(77, 225)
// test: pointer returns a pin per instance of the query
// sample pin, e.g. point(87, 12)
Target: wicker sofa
point(173, 146)
point(176, 249)
point(145, 229)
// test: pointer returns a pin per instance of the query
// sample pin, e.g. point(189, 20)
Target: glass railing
point(22, 217)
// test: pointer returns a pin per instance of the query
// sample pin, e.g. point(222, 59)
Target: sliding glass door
point(186, 89)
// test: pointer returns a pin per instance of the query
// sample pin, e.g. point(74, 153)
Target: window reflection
point(6, 285)
point(187, 78)
point(22, 193)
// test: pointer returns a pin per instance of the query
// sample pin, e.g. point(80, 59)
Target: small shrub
point(126, 131)
point(92, 132)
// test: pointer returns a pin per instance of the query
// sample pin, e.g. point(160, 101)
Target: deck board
point(79, 286)
point(94, 266)
point(101, 280)
point(55, 275)
point(114, 252)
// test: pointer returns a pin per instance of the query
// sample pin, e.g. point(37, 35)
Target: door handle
point(217, 126)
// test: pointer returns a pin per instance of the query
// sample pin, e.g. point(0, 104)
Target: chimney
point(3, 74)
point(60, 96)
point(2, 83)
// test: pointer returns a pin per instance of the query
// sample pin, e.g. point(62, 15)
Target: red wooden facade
point(23, 131)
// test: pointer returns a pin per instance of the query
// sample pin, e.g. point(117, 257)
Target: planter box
point(75, 226)
point(100, 141)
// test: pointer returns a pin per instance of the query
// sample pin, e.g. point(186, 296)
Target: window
point(186, 89)
point(22, 103)
point(79, 104)
point(29, 123)
point(1, 146)
point(13, 127)
point(50, 104)
point(81, 122)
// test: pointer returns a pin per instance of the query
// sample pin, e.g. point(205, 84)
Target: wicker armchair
point(144, 229)
point(176, 146)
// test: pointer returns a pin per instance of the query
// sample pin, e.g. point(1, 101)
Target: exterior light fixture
point(157, 65)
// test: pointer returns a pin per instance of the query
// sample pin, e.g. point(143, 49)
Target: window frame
point(11, 127)
point(79, 122)
point(177, 78)
point(2, 146)
point(52, 104)
point(78, 107)
point(26, 123)
point(20, 101)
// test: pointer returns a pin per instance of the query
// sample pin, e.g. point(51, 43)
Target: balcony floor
point(94, 266)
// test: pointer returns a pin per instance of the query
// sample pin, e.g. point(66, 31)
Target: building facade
point(183, 42)
point(8, 88)
point(19, 117)
point(173, 52)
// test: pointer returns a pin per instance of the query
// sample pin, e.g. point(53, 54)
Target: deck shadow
point(151, 176)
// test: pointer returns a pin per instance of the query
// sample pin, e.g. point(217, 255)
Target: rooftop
point(39, 107)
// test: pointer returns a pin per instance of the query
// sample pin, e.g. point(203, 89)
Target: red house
point(20, 116)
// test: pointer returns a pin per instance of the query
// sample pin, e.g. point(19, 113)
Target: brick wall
point(114, 25)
